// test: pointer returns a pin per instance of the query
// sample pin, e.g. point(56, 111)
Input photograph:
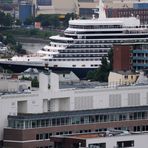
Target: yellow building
point(122, 78)
point(64, 6)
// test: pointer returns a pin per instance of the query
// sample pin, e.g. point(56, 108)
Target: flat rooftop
point(108, 133)
point(78, 113)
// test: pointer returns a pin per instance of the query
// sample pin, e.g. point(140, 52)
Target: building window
point(97, 145)
point(86, 1)
point(44, 2)
point(43, 136)
point(37, 137)
point(86, 12)
point(126, 77)
point(123, 144)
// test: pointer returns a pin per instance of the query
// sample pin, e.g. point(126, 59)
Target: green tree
point(103, 71)
point(101, 74)
point(18, 22)
point(8, 20)
point(68, 16)
point(91, 75)
point(54, 21)
point(18, 48)
point(35, 82)
point(48, 20)
point(10, 40)
point(2, 18)
point(1, 38)
point(29, 21)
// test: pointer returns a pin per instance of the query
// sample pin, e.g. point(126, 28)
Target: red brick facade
point(121, 57)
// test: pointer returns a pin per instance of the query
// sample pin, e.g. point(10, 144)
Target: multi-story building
point(76, 108)
point(121, 57)
point(122, 78)
point(35, 130)
point(127, 12)
point(130, 57)
point(139, 57)
point(108, 139)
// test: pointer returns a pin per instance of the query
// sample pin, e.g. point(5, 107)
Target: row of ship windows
point(109, 41)
point(80, 55)
point(95, 26)
point(94, 32)
point(98, 59)
point(104, 26)
point(90, 46)
point(117, 40)
point(93, 65)
point(78, 120)
point(83, 51)
point(127, 37)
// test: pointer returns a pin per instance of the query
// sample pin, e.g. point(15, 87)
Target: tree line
point(6, 20)
point(52, 20)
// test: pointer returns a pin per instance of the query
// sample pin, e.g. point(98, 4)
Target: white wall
point(140, 140)
point(69, 99)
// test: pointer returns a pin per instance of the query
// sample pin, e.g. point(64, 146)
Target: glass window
point(37, 137)
point(44, 2)
point(123, 144)
point(97, 145)
point(41, 136)
point(34, 124)
point(46, 136)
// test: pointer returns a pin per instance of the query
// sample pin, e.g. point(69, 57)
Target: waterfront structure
point(75, 109)
point(83, 45)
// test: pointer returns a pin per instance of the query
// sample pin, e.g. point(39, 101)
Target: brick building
point(121, 57)
point(35, 130)
point(127, 12)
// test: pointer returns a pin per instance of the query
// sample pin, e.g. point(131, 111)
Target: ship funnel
point(102, 13)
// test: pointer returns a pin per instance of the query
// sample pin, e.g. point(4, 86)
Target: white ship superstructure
point(84, 44)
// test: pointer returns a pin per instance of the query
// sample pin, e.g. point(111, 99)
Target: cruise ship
point(83, 44)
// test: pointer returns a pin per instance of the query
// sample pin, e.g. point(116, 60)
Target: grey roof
point(78, 113)
point(31, 70)
point(125, 72)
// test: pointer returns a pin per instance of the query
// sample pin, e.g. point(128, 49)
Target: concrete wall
point(41, 100)
point(13, 85)
point(58, 7)
point(111, 142)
